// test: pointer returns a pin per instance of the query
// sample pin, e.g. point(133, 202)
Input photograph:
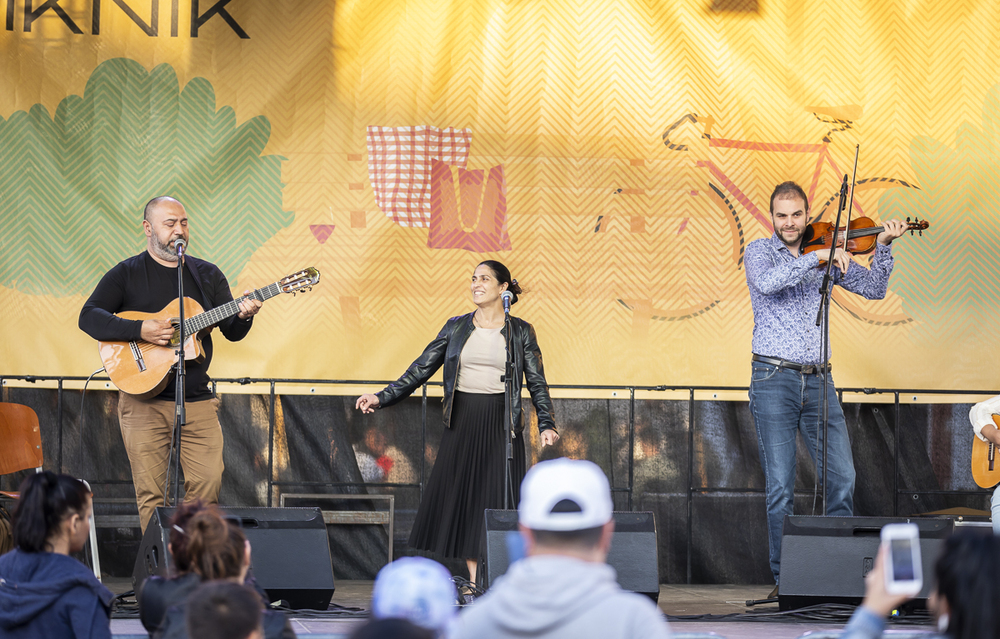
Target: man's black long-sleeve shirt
point(142, 284)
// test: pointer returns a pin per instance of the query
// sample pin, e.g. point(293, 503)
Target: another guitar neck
point(202, 321)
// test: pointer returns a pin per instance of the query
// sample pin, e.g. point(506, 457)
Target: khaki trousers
point(147, 426)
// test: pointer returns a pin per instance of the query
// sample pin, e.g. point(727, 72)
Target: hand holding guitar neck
point(249, 306)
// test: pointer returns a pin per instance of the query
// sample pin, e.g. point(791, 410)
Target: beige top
point(480, 368)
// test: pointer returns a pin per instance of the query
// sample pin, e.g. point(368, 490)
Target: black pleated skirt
point(467, 478)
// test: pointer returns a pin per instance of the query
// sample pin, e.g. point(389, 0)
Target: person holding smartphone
point(963, 600)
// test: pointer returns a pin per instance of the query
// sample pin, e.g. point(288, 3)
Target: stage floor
point(677, 601)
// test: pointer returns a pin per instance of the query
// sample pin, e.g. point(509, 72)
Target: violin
point(861, 235)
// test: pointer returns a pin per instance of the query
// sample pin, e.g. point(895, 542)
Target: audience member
point(563, 588)
point(391, 628)
point(224, 610)
point(963, 600)
point(204, 547)
point(43, 591)
point(419, 590)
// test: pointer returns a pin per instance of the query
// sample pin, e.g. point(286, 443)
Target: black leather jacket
point(446, 349)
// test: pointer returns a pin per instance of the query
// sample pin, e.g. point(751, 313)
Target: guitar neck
point(204, 320)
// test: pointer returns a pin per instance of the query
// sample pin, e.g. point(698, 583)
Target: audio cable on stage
point(823, 613)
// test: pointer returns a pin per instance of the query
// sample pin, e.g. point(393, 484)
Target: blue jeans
point(784, 402)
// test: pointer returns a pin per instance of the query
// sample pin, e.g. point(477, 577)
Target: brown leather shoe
point(774, 593)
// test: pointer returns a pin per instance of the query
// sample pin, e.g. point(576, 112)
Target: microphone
point(179, 246)
point(506, 297)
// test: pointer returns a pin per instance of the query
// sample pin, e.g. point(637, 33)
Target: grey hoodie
point(553, 596)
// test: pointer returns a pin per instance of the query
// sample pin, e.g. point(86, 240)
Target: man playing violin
point(786, 381)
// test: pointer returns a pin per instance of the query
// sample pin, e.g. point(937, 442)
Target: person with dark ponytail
point(468, 476)
point(963, 600)
point(204, 547)
point(43, 591)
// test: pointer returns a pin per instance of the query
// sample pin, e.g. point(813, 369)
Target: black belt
point(805, 369)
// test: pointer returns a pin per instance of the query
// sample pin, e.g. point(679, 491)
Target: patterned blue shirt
point(784, 292)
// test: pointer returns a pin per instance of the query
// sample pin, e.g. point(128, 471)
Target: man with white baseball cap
point(563, 587)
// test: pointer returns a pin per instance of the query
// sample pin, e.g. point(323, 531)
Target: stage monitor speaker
point(290, 552)
point(826, 559)
point(632, 555)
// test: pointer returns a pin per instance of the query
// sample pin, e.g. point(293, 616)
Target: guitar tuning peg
point(907, 220)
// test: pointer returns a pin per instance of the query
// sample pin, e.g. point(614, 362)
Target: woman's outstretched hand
point(549, 437)
point(367, 403)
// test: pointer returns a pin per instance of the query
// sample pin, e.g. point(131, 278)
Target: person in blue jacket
point(43, 591)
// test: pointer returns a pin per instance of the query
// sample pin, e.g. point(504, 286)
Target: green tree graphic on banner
point(72, 187)
point(948, 278)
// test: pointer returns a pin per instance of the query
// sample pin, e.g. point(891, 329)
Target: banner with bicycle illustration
point(617, 156)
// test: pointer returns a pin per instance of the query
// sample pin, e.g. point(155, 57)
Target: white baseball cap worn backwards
point(564, 495)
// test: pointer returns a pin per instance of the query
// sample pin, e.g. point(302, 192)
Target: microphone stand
point(508, 406)
point(180, 411)
point(823, 320)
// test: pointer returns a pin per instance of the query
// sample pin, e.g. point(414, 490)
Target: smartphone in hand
point(903, 575)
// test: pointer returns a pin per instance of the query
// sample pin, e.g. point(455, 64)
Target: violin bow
point(850, 202)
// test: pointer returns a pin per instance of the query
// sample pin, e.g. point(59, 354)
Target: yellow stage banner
point(616, 155)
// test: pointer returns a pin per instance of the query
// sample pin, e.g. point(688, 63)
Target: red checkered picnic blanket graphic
point(399, 167)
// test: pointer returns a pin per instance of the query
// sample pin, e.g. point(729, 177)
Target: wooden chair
point(22, 450)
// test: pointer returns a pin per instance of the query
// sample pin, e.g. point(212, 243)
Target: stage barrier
point(690, 458)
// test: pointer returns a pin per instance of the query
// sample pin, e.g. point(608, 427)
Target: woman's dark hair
point(502, 273)
point(391, 628)
point(223, 610)
point(203, 542)
point(46, 500)
point(178, 536)
point(966, 575)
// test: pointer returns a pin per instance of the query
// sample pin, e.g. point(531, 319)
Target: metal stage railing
point(896, 393)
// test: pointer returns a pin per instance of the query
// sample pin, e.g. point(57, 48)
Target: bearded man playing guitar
point(147, 283)
point(786, 380)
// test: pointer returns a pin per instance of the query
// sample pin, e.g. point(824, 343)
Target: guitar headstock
point(299, 282)
point(916, 225)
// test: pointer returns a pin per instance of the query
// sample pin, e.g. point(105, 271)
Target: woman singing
point(468, 476)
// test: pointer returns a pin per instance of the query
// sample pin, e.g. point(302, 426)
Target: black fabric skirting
point(467, 478)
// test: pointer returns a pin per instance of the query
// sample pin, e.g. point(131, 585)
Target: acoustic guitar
point(144, 370)
point(985, 466)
